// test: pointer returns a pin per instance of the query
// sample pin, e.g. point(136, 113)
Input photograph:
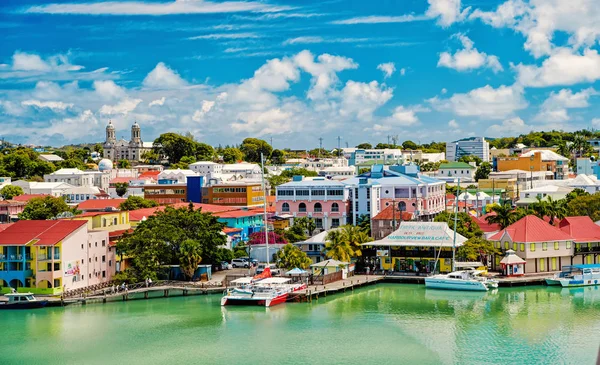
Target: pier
point(525, 280)
point(340, 286)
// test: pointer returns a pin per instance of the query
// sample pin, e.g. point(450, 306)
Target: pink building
point(323, 200)
point(10, 209)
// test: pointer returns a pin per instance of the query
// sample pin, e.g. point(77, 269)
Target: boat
point(264, 292)
point(467, 280)
point(555, 280)
point(582, 275)
point(22, 301)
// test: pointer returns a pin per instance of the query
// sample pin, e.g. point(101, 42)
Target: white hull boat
point(458, 280)
point(582, 275)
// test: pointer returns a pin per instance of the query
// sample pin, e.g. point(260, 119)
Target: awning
point(420, 234)
point(296, 271)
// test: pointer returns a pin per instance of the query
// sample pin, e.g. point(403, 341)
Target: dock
point(340, 286)
point(526, 280)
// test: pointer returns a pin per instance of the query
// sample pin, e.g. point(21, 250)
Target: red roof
point(138, 214)
point(485, 226)
point(231, 230)
point(119, 232)
point(450, 196)
point(100, 204)
point(532, 229)
point(92, 214)
point(386, 214)
point(28, 197)
point(149, 175)
point(46, 233)
point(5, 226)
point(12, 203)
point(582, 229)
point(121, 180)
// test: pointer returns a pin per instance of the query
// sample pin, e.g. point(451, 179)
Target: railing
point(48, 257)
point(586, 250)
point(107, 288)
point(327, 278)
point(14, 257)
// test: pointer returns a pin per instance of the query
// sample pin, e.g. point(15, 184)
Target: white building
point(243, 170)
point(55, 189)
point(335, 172)
point(178, 175)
point(317, 164)
point(133, 150)
point(78, 194)
point(76, 177)
point(364, 198)
point(474, 146)
point(50, 158)
point(206, 168)
point(452, 171)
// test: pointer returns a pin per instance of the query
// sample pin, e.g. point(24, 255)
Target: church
point(122, 150)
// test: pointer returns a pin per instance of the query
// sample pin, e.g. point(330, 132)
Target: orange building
point(166, 193)
point(235, 194)
point(531, 163)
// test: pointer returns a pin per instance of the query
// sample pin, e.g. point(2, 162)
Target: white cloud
point(402, 71)
point(554, 109)
point(304, 40)
point(155, 8)
point(509, 127)
point(484, 102)
point(226, 36)
point(448, 12)
point(206, 107)
point(388, 69)
point(596, 122)
point(71, 128)
point(108, 89)
point(162, 77)
point(360, 99)
point(469, 58)
point(53, 105)
point(563, 67)
point(125, 106)
point(323, 72)
point(376, 19)
point(540, 20)
point(444, 91)
point(159, 102)
point(260, 123)
point(453, 124)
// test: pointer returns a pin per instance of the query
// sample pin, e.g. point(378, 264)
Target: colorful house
point(238, 194)
point(100, 205)
point(10, 209)
point(105, 221)
point(49, 257)
point(248, 221)
point(586, 239)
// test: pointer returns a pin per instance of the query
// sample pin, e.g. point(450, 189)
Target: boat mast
point(455, 222)
point(262, 163)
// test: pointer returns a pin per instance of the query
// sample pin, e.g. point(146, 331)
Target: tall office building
point(476, 146)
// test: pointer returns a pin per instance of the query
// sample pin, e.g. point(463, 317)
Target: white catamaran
point(469, 280)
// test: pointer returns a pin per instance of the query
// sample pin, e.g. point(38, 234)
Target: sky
point(298, 70)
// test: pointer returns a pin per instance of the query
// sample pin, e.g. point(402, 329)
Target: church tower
point(110, 133)
point(136, 135)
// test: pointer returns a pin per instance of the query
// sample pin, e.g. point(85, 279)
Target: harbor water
point(380, 324)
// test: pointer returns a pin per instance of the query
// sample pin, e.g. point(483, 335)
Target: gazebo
point(512, 265)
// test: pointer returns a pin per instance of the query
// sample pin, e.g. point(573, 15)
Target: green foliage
point(307, 225)
point(241, 250)
point(23, 163)
point(137, 202)
point(364, 223)
point(410, 145)
point(465, 224)
point(276, 180)
point(505, 216)
point(124, 164)
point(10, 191)
point(278, 157)
point(253, 147)
point(365, 146)
point(121, 189)
point(477, 248)
point(99, 148)
point(298, 172)
point(576, 193)
point(72, 163)
point(451, 189)
point(429, 166)
point(295, 234)
point(585, 205)
point(364, 170)
point(483, 171)
point(290, 257)
point(232, 155)
point(166, 239)
point(323, 153)
point(190, 256)
point(43, 208)
point(175, 146)
point(381, 146)
point(471, 158)
point(223, 254)
point(337, 248)
point(126, 277)
point(184, 163)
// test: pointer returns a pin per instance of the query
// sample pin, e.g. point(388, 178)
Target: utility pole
point(339, 148)
point(271, 142)
point(320, 145)
point(389, 139)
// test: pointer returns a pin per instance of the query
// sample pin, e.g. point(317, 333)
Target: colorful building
point(105, 221)
point(10, 209)
point(506, 188)
point(536, 160)
point(586, 239)
point(237, 194)
point(49, 257)
point(387, 221)
point(100, 205)
point(247, 221)
point(323, 200)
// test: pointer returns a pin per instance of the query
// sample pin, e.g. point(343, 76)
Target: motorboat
point(22, 301)
point(265, 292)
point(457, 280)
point(582, 275)
point(555, 280)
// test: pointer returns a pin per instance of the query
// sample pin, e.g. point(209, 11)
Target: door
point(542, 264)
point(554, 264)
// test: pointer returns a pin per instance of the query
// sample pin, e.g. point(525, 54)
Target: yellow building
point(234, 194)
point(508, 186)
point(106, 221)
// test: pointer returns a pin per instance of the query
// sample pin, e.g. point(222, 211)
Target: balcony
point(15, 257)
point(56, 256)
point(584, 250)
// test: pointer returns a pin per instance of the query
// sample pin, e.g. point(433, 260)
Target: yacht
point(22, 301)
point(555, 280)
point(266, 292)
point(582, 275)
point(457, 280)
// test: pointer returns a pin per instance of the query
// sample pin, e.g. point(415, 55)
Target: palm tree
point(355, 237)
point(505, 215)
point(337, 248)
point(555, 209)
point(539, 208)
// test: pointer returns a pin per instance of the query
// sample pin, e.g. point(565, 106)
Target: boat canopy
point(296, 271)
point(475, 264)
point(420, 234)
point(587, 266)
point(274, 281)
point(244, 280)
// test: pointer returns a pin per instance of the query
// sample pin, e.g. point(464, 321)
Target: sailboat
point(468, 280)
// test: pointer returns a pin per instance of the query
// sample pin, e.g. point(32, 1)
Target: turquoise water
point(382, 324)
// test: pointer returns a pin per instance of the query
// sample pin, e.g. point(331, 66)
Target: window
point(109, 263)
point(90, 260)
point(96, 244)
point(90, 276)
point(514, 246)
point(81, 277)
point(544, 246)
point(95, 259)
point(335, 222)
point(103, 243)
point(56, 266)
point(103, 258)
point(318, 208)
point(356, 206)
point(335, 207)
point(532, 247)
point(522, 247)
point(285, 207)
point(103, 274)
point(115, 221)
point(556, 245)
point(506, 245)
point(285, 192)
point(569, 244)
point(318, 192)
point(302, 193)
point(319, 223)
point(338, 192)
point(368, 193)
point(57, 283)
point(302, 207)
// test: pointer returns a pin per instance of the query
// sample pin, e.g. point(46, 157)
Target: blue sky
point(295, 71)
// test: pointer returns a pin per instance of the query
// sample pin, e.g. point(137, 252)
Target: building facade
point(133, 150)
point(474, 146)
point(237, 194)
point(536, 160)
point(456, 170)
point(76, 177)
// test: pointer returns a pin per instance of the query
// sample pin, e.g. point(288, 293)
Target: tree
point(295, 234)
point(190, 256)
point(204, 152)
point(150, 156)
point(465, 225)
point(258, 238)
point(483, 171)
point(410, 145)
point(72, 163)
point(365, 146)
point(539, 207)
point(224, 254)
point(121, 189)
point(174, 146)
point(99, 148)
point(469, 159)
point(278, 157)
point(124, 164)
point(576, 193)
point(307, 225)
point(555, 209)
point(364, 223)
point(585, 205)
point(298, 172)
point(137, 202)
point(477, 249)
point(164, 238)
point(232, 155)
point(505, 216)
point(10, 191)
point(355, 236)
point(276, 180)
point(338, 248)
point(253, 147)
point(290, 257)
point(43, 208)
point(364, 170)
point(184, 163)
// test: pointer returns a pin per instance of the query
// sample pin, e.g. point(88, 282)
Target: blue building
point(586, 166)
point(248, 221)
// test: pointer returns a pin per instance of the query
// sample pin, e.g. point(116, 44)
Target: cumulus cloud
point(323, 72)
point(158, 102)
point(484, 102)
point(469, 58)
point(24, 66)
point(509, 127)
point(388, 69)
point(53, 105)
point(554, 109)
point(123, 107)
point(447, 12)
point(453, 124)
point(162, 77)
point(563, 67)
point(108, 90)
point(360, 99)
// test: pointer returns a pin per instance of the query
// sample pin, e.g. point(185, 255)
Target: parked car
point(273, 267)
point(240, 263)
point(226, 265)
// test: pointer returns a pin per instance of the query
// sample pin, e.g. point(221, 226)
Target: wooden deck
point(349, 284)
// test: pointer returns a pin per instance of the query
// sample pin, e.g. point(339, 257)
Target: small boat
point(555, 280)
point(266, 292)
point(582, 275)
point(22, 301)
point(457, 280)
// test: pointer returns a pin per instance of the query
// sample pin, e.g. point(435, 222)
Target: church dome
point(110, 125)
point(105, 165)
point(135, 125)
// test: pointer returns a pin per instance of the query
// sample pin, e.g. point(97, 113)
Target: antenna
point(339, 141)
point(395, 139)
point(320, 145)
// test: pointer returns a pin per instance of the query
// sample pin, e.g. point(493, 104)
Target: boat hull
point(567, 283)
point(256, 301)
point(552, 281)
point(445, 284)
point(25, 305)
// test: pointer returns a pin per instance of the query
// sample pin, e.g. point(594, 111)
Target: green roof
point(456, 165)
